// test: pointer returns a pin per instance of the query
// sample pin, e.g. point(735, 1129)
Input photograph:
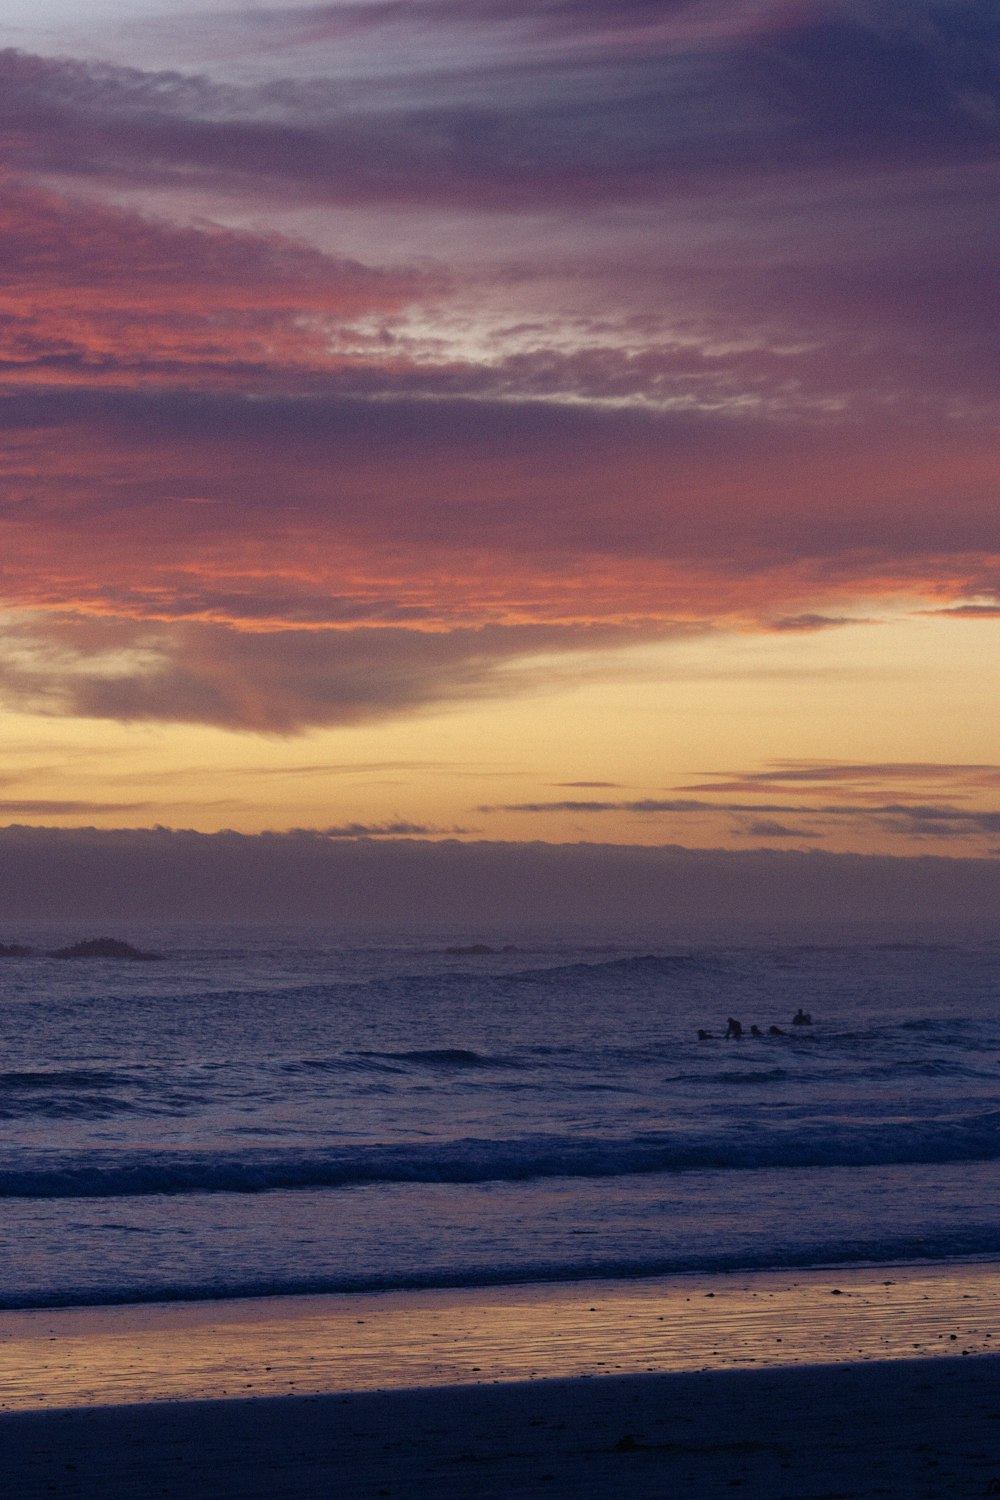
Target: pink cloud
point(91, 294)
point(758, 395)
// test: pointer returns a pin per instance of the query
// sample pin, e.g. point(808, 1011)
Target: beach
point(372, 1219)
point(911, 1430)
point(821, 1383)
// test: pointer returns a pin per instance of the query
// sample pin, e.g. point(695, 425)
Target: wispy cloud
point(399, 829)
point(769, 828)
point(595, 785)
point(969, 611)
point(597, 102)
point(853, 776)
point(763, 819)
point(50, 807)
point(814, 622)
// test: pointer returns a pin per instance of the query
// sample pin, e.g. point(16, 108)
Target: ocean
point(304, 1110)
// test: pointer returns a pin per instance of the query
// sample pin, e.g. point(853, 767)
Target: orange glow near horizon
point(709, 742)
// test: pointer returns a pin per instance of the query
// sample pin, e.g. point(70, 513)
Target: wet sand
point(819, 1384)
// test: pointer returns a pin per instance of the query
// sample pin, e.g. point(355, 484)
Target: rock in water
point(102, 948)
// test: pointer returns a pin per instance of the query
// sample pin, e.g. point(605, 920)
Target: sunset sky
point(567, 421)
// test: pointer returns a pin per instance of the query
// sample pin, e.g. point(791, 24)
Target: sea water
point(291, 1110)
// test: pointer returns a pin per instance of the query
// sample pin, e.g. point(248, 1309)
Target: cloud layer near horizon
point(141, 876)
point(397, 344)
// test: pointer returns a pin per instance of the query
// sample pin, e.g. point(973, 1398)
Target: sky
point(462, 420)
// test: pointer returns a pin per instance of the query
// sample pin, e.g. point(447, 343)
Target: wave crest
point(972, 1138)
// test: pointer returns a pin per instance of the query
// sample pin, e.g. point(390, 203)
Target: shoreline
point(626, 1274)
point(778, 1386)
point(348, 1342)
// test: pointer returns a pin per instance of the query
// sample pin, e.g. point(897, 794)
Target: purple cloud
point(835, 85)
point(920, 820)
point(275, 682)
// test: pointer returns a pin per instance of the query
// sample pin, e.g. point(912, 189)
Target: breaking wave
point(99, 1175)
